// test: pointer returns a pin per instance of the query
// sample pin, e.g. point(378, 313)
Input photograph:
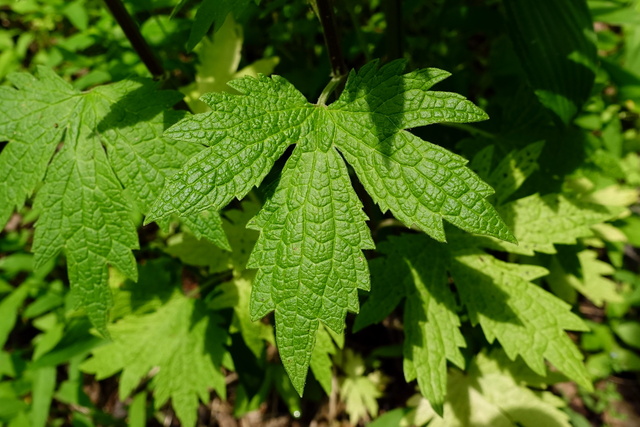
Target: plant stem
point(393, 12)
point(328, 22)
point(138, 42)
point(328, 90)
point(359, 34)
point(471, 129)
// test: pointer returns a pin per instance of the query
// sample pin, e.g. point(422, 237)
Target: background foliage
point(469, 332)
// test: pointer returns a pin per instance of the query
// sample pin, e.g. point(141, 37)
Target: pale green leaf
point(592, 283)
point(181, 340)
point(199, 252)
point(527, 320)
point(490, 395)
point(358, 391)
point(219, 58)
point(540, 222)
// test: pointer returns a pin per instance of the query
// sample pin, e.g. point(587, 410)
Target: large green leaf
point(313, 230)
point(111, 141)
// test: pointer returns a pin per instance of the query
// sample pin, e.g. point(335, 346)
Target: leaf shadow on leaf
point(153, 288)
point(564, 152)
point(384, 126)
point(479, 293)
point(214, 336)
point(146, 101)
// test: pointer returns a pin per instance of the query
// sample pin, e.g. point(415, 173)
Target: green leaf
point(44, 384)
point(182, 340)
point(540, 222)
point(527, 320)
point(420, 183)
point(85, 211)
point(313, 230)
point(321, 364)
point(244, 135)
point(9, 310)
point(491, 395)
point(212, 12)
point(592, 284)
point(629, 333)
point(236, 294)
point(309, 254)
point(432, 334)
point(513, 170)
point(555, 42)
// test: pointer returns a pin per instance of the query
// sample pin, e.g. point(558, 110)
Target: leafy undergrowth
point(386, 256)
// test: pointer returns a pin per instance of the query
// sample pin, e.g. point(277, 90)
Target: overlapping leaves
point(87, 148)
point(499, 296)
point(309, 253)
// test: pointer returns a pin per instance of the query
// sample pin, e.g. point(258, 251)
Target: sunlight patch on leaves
point(494, 393)
point(359, 391)
point(182, 340)
point(591, 282)
point(540, 222)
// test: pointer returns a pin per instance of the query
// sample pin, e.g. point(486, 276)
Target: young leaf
point(84, 208)
point(313, 230)
point(182, 339)
point(494, 393)
point(359, 391)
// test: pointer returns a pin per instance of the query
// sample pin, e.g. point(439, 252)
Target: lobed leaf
point(527, 320)
point(309, 255)
point(431, 322)
point(421, 183)
point(180, 339)
point(540, 222)
point(59, 135)
point(245, 135)
point(313, 230)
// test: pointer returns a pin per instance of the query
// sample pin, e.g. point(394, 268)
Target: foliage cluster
point(475, 230)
